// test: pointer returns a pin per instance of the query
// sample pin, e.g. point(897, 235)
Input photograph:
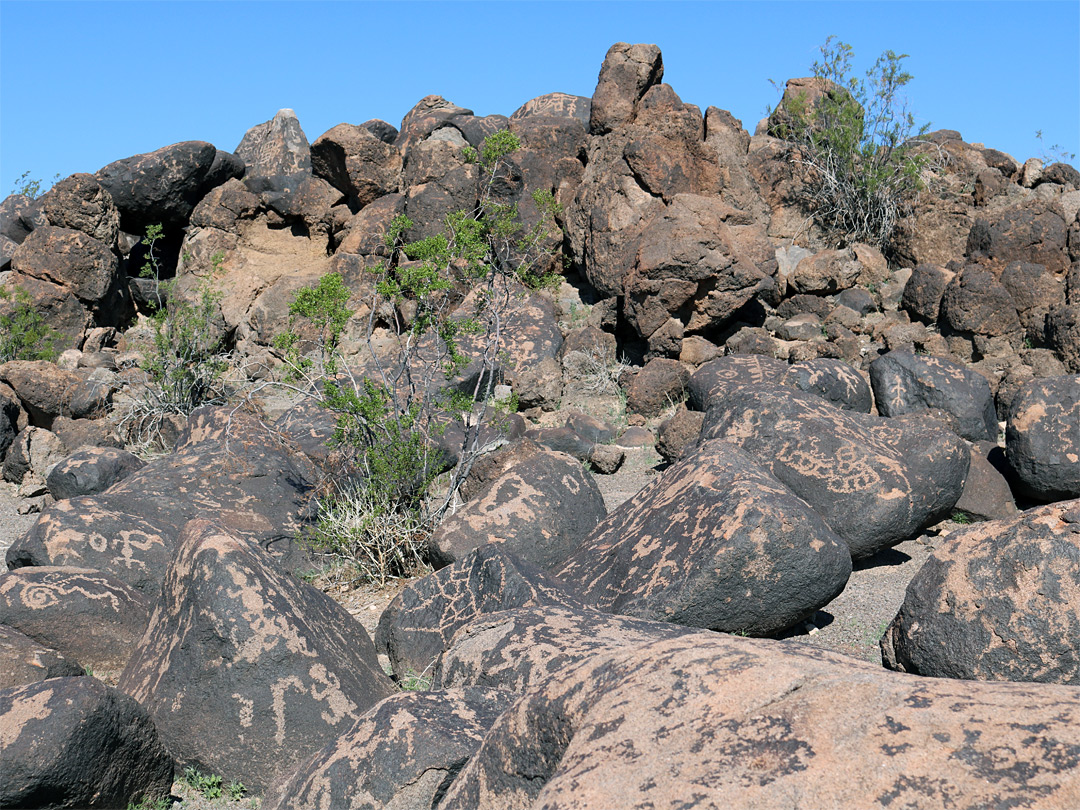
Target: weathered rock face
point(1063, 333)
point(23, 660)
point(81, 265)
point(418, 625)
point(91, 471)
point(1042, 440)
point(75, 742)
point(276, 148)
point(627, 73)
point(987, 494)
point(81, 203)
point(249, 484)
point(996, 601)
point(757, 725)
point(540, 509)
point(85, 615)
point(834, 381)
point(923, 291)
point(160, 187)
point(714, 542)
point(403, 753)
point(908, 383)
point(1026, 233)
point(701, 262)
point(518, 650)
point(975, 303)
point(246, 670)
point(716, 379)
point(355, 161)
point(875, 482)
point(1036, 293)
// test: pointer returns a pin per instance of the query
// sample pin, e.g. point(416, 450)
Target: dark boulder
point(909, 383)
point(716, 379)
point(1063, 334)
point(43, 389)
point(555, 105)
point(996, 601)
point(923, 291)
point(160, 187)
point(418, 625)
point(875, 481)
point(1033, 232)
point(540, 509)
point(1042, 438)
point(658, 386)
point(91, 471)
point(517, 650)
point(19, 215)
point(23, 660)
point(834, 381)
point(226, 465)
point(627, 73)
point(402, 754)
point(81, 203)
point(678, 434)
point(714, 542)
point(987, 494)
point(85, 615)
point(275, 148)
point(245, 669)
point(75, 742)
point(705, 720)
point(975, 303)
point(356, 162)
point(1036, 293)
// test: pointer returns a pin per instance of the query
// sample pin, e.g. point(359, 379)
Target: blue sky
point(86, 83)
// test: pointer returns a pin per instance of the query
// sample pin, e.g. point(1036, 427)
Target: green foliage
point(208, 785)
point(151, 267)
point(150, 803)
point(857, 143)
point(236, 791)
point(1055, 153)
point(24, 334)
point(388, 421)
point(414, 682)
point(187, 362)
point(30, 187)
point(962, 517)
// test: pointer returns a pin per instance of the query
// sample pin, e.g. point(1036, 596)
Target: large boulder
point(714, 542)
point(541, 509)
point(245, 669)
point(834, 381)
point(91, 471)
point(276, 148)
point(1032, 232)
point(1042, 438)
point(517, 650)
point(419, 623)
point(718, 378)
point(75, 742)
point(23, 660)
point(909, 383)
point(356, 162)
point(81, 203)
point(923, 291)
point(85, 615)
point(707, 720)
point(226, 466)
point(80, 264)
point(997, 601)
point(875, 481)
point(160, 187)
point(702, 261)
point(402, 754)
point(627, 73)
point(43, 389)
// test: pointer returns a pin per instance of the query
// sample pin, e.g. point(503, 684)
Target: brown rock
point(659, 385)
point(627, 73)
point(24, 661)
point(79, 202)
point(356, 162)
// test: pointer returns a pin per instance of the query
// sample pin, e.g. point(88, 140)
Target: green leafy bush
point(855, 143)
point(209, 785)
point(31, 187)
point(24, 335)
point(389, 419)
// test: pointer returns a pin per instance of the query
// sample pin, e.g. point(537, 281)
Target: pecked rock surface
point(713, 721)
point(246, 670)
point(996, 601)
point(85, 615)
point(23, 660)
point(226, 466)
point(517, 650)
point(401, 754)
point(834, 381)
point(1042, 438)
point(717, 378)
point(875, 481)
point(541, 509)
point(714, 542)
point(418, 625)
point(75, 742)
point(908, 383)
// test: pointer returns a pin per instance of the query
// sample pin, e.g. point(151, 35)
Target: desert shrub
point(856, 143)
point(390, 417)
point(24, 334)
point(31, 187)
point(187, 358)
